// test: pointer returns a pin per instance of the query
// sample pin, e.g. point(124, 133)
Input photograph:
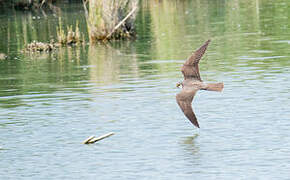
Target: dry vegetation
point(106, 20)
point(110, 19)
point(72, 37)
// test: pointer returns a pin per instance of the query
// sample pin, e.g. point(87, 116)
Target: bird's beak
point(178, 85)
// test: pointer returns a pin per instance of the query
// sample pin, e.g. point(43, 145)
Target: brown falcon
point(192, 83)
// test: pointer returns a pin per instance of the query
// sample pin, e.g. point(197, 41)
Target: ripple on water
point(50, 104)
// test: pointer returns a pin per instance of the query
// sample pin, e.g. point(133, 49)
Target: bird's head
point(179, 85)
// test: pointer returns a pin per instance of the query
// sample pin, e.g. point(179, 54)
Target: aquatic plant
point(72, 37)
point(61, 37)
point(110, 19)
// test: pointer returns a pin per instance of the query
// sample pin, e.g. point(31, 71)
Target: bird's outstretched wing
point(184, 100)
point(190, 68)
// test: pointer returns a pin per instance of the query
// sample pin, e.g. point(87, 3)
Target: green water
point(51, 102)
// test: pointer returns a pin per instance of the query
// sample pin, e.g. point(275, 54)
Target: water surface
point(50, 103)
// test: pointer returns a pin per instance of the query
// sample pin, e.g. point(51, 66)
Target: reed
point(61, 37)
point(72, 37)
point(110, 19)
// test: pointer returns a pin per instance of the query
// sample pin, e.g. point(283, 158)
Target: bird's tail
point(214, 87)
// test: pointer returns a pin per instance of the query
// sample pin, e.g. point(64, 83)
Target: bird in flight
point(192, 83)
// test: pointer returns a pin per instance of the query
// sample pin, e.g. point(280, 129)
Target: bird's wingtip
point(196, 124)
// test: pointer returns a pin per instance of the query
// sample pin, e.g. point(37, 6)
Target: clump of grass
point(72, 37)
point(60, 33)
point(111, 19)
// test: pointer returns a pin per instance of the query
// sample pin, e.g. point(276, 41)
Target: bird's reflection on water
point(189, 143)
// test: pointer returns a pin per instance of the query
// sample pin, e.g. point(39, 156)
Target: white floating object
point(93, 139)
point(88, 139)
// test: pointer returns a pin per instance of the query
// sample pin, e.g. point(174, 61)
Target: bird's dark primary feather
point(190, 68)
point(184, 100)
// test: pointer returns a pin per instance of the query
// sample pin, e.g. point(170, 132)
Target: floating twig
point(93, 139)
point(88, 139)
